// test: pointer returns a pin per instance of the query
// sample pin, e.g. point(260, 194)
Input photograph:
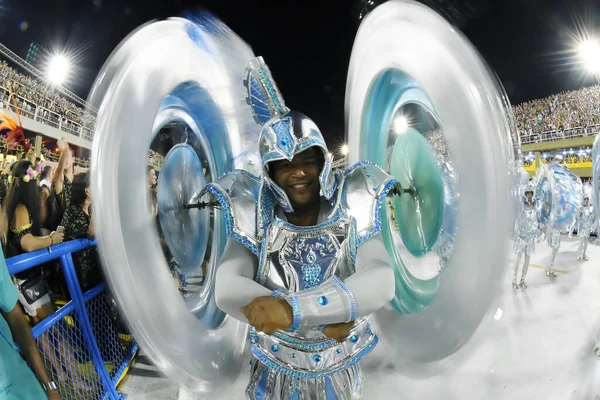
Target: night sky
point(307, 44)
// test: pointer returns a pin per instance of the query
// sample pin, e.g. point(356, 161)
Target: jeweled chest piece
point(311, 258)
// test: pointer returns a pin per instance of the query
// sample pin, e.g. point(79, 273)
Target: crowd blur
point(42, 207)
point(42, 94)
point(10, 150)
point(155, 159)
point(559, 112)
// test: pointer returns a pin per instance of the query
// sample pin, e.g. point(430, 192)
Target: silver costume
point(337, 271)
point(586, 224)
point(553, 236)
point(527, 231)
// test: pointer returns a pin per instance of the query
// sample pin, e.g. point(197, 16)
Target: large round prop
point(166, 71)
point(186, 231)
point(412, 73)
point(419, 217)
point(561, 192)
point(547, 194)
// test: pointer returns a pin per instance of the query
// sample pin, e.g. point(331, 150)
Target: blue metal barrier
point(83, 333)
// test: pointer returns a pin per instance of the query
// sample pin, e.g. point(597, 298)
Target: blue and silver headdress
point(529, 187)
point(285, 133)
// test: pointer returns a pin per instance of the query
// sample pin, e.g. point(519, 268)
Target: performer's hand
point(338, 332)
point(268, 314)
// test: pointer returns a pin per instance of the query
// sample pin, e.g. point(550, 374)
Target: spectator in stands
point(23, 207)
point(46, 177)
point(18, 380)
point(5, 183)
point(45, 192)
point(151, 178)
point(63, 176)
point(78, 224)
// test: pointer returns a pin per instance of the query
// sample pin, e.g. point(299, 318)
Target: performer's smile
point(299, 177)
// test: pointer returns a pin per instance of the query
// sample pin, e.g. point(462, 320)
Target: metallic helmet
point(285, 133)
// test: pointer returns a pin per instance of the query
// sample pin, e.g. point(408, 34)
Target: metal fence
point(550, 136)
point(85, 337)
point(40, 114)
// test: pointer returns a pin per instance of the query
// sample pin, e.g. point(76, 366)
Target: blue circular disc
point(185, 231)
point(419, 217)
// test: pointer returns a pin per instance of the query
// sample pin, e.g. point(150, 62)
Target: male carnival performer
point(586, 224)
point(305, 263)
point(526, 234)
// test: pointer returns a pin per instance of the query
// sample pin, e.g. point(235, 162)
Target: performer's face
point(299, 178)
point(529, 197)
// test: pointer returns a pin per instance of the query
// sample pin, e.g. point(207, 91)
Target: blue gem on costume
point(312, 275)
point(339, 351)
point(317, 358)
point(293, 355)
point(354, 338)
point(323, 300)
point(275, 348)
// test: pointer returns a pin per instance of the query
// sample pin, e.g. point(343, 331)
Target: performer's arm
point(235, 286)
point(361, 294)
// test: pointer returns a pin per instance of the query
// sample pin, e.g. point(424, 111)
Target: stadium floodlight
point(401, 124)
point(345, 150)
point(58, 70)
point(589, 51)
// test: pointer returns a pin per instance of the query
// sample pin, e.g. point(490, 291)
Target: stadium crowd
point(43, 95)
point(551, 115)
point(559, 112)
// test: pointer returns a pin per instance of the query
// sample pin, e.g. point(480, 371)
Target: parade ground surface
point(538, 345)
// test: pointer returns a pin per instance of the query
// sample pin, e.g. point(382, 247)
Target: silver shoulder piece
point(362, 194)
point(237, 193)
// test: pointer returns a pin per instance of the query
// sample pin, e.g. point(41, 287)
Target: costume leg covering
point(516, 271)
point(582, 248)
point(549, 268)
point(524, 271)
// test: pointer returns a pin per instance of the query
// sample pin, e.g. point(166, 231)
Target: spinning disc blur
point(186, 231)
point(419, 217)
point(546, 192)
point(405, 55)
point(139, 90)
point(569, 194)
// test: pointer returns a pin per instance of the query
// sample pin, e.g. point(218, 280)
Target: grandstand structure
point(39, 114)
point(47, 111)
point(565, 124)
point(565, 120)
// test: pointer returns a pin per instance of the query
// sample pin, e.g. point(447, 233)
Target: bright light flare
point(59, 68)
point(589, 51)
point(401, 124)
point(345, 150)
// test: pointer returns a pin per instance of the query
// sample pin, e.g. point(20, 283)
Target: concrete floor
point(540, 347)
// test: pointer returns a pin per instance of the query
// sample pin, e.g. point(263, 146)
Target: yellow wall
point(582, 169)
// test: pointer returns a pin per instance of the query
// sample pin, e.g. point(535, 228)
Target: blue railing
point(83, 344)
